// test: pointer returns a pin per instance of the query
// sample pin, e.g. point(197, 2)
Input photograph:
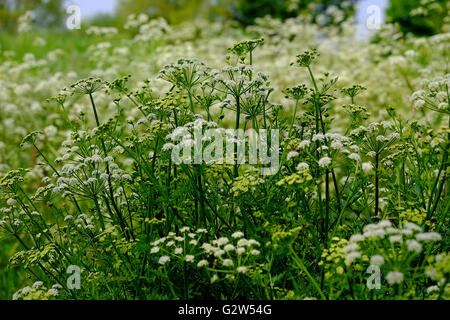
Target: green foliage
point(175, 11)
point(47, 13)
point(361, 184)
point(324, 11)
point(422, 17)
point(205, 231)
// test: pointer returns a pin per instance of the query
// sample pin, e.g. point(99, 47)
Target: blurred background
point(51, 14)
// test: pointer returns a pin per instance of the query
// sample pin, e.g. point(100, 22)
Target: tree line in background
point(46, 13)
point(425, 17)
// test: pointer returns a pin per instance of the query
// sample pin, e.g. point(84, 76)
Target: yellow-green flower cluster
point(417, 216)
point(244, 183)
point(333, 257)
point(38, 292)
point(297, 178)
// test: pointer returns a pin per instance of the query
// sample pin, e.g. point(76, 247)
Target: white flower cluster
point(382, 237)
point(101, 31)
point(434, 94)
point(39, 290)
point(235, 252)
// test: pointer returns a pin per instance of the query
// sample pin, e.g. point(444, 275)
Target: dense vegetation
point(358, 208)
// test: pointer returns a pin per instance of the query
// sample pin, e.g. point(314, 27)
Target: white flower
point(395, 239)
point(229, 247)
point(37, 284)
point(168, 146)
point(237, 235)
point(208, 248)
point(419, 104)
point(394, 277)
point(255, 252)
point(412, 226)
point(324, 162)
point(241, 269)
point(96, 158)
point(318, 137)
point(227, 262)
point(163, 260)
point(214, 278)
point(302, 166)
point(53, 292)
point(377, 260)
point(367, 167)
point(219, 252)
point(178, 250)
point(190, 258)
point(385, 223)
point(406, 232)
point(292, 154)
point(242, 243)
point(304, 144)
point(356, 238)
point(355, 157)
point(376, 233)
point(222, 241)
point(349, 248)
point(433, 289)
point(240, 250)
point(127, 177)
point(391, 230)
point(202, 263)
point(428, 236)
point(414, 245)
point(352, 256)
point(154, 250)
point(432, 273)
point(26, 290)
point(336, 145)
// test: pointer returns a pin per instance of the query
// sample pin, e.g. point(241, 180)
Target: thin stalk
point(377, 182)
point(301, 265)
point(238, 116)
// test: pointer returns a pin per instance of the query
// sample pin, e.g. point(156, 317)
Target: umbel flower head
point(243, 47)
point(30, 138)
point(120, 84)
point(60, 98)
point(13, 178)
point(296, 93)
point(353, 91)
point(306, 58)
point(87, 86)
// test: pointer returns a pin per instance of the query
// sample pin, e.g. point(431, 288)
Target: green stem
point(301, 265)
